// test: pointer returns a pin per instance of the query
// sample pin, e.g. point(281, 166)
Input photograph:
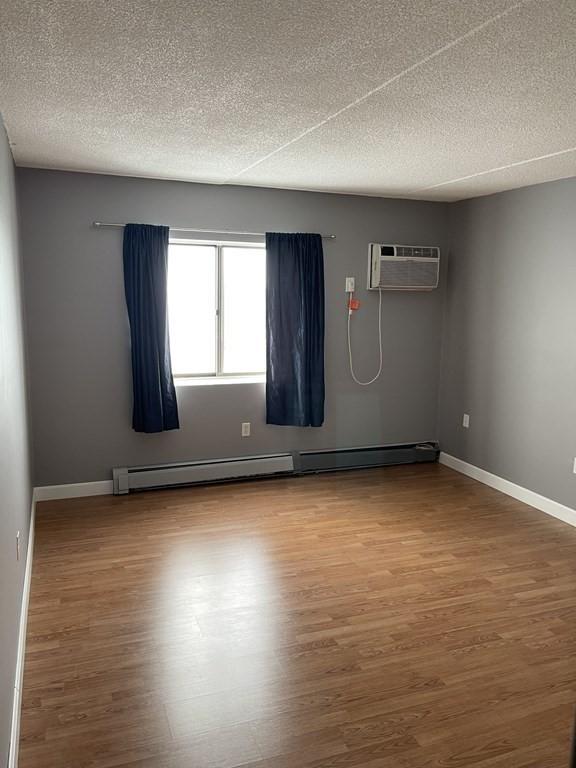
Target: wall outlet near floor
point(245, 429)
point(574, 467)
point(18, 545)
point(350, 284)
point(466, 420)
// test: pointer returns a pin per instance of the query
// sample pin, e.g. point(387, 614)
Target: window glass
point(192, 308)
point(243, 310)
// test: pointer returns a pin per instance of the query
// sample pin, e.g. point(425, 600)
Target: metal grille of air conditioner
point(417, 252)
point(395, 273)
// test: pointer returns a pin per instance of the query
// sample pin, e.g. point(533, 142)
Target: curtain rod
point(202, 231)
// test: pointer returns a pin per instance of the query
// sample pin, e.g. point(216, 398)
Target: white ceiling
point(432, 99)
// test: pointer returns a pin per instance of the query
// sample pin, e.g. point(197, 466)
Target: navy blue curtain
point(294, 330)
point(145, 284)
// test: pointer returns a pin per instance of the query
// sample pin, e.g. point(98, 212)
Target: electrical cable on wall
point(351, 309)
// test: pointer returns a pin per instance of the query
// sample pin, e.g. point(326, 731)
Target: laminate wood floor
point(406, 617)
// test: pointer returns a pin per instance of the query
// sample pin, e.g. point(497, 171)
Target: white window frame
point(220, 377)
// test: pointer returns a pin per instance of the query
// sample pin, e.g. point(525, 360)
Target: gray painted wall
point(508, 356)
point(78, 334)
point(509, 352)
point(15, 496)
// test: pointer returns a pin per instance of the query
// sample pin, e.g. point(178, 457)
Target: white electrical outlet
point(574, 467)
point(350, 284)
point(18, 545)
point(466, 420)
point(245, 429)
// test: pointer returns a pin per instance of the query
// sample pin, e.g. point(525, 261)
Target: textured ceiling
point(432, 99)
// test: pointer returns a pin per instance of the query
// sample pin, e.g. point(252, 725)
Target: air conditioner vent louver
point(403, 267)
point(413, 252)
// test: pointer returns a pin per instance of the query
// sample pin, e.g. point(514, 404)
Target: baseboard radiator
point(126, 479)
point(369, 456)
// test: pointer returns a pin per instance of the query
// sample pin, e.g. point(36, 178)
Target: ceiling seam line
point(492, 170)
point(435, 54)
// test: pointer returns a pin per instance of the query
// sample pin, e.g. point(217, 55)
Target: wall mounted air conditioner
point(403, 267)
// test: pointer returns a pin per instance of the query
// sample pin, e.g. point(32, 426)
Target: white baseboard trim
point(17, 701)
point(73, 490)
point(543, 503)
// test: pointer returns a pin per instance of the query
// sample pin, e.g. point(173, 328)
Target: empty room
point(287, 383)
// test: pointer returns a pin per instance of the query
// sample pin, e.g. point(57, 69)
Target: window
point(216, 309)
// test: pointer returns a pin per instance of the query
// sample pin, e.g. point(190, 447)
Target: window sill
point(207, 381)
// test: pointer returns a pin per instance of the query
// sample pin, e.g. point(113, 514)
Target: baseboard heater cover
point(368, 456)
point(126, 479)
